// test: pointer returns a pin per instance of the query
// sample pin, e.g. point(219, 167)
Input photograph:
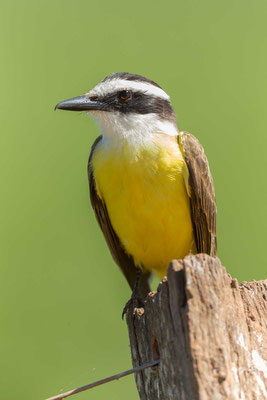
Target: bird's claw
point(135, 302)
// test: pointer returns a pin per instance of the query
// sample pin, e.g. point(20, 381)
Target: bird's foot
point(135, 301)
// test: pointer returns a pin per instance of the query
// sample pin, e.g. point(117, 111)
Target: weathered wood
point(209, 332)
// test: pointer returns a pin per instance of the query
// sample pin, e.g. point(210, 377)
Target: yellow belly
point(145, 194)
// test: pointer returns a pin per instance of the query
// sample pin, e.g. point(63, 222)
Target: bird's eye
point(93, 98)
point(125, 94)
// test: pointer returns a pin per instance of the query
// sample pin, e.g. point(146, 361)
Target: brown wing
point(203, 204)
point(122, 259)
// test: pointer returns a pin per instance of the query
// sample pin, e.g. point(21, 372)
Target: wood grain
point(209, 332)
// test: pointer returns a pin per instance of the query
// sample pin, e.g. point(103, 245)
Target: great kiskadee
point(150, 185)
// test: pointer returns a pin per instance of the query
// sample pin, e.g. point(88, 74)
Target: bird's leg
point(136, 300)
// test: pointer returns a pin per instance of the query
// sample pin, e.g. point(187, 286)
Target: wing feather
point(122, 259)
point(203, 204)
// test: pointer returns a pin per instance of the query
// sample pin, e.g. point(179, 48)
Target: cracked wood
point(209, 332)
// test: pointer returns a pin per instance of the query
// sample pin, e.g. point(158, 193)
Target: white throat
point(133, 128)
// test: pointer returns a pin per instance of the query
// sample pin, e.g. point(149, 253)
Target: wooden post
point(208, 331)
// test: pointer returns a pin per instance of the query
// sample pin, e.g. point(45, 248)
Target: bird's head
point(126, 105)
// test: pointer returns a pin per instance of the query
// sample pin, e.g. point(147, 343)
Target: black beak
point(81, 103)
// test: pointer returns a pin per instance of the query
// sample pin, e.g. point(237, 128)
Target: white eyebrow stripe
point(113, 85)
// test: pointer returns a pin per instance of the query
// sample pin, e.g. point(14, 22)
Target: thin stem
point(106, 380)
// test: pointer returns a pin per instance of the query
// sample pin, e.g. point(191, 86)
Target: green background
point(61, 294)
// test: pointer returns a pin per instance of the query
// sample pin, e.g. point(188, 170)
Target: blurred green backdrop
point(61, 294)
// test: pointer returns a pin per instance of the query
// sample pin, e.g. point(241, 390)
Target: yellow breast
point(145, 193)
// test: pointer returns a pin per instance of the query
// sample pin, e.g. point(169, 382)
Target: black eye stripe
point(139, 103)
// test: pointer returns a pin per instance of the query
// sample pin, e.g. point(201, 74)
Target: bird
point(150, 184)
